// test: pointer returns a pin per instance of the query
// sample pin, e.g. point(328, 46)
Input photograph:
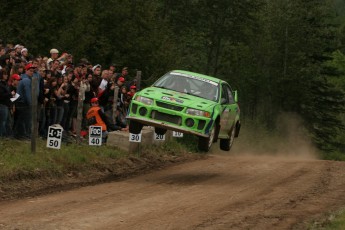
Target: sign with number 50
point(54, 137)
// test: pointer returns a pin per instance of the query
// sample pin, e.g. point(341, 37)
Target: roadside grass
point(334, 156)
point(17, 161)
point(16, 158)
point(335, 221)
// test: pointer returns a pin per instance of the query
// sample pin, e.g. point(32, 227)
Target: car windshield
point(189, 84)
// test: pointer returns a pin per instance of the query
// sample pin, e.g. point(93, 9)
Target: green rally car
point(190, 103)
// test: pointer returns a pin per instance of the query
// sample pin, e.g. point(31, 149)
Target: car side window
point(231, 97)
point(225, 94)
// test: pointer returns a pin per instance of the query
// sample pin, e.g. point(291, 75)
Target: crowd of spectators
point(60, 81)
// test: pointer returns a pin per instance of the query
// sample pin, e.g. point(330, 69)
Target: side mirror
point(235, 96)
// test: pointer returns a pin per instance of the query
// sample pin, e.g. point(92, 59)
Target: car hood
point(177, 98)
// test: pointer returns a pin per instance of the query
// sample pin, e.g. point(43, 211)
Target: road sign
point(158, 137)
point(177, 134)
point(95, 135)
point(54, 137)
point(134, 137)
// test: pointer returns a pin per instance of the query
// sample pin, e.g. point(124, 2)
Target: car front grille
point(169, 106)
point(166, 117)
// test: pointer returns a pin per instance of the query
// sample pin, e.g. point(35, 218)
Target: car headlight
point(145, 100)
point(196, 112)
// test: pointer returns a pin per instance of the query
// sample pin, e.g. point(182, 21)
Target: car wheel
point(225, 144)
point(215, 138)
point(205, 143)
point(135, 127)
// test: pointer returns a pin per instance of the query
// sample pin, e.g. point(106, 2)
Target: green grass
point(335, 221)
point(16, 157)
point(334, 156)
point(17, 161)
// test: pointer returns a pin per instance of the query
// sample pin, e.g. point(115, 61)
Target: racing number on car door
point(228, 110)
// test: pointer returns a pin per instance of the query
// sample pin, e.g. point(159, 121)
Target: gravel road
point(220, 192)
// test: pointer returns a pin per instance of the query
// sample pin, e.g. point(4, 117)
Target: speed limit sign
point(54, 137)
point(95, 135)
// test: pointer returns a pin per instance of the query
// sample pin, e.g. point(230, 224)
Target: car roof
point(198, 75)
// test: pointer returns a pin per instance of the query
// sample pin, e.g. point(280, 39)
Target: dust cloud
point(290, 140)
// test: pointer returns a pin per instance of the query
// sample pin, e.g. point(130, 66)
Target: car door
point(228, 111)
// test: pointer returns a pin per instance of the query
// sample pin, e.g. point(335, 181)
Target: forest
point(283, 56)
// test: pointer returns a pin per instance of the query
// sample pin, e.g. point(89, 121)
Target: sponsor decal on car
point(198, 78)
point(172, 99)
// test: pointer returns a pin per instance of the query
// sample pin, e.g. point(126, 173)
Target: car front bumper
point(163, 125)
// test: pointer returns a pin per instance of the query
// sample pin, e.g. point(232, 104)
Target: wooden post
point(116, 96)
point(34, 101)
point(138, 79)
point(81, 97)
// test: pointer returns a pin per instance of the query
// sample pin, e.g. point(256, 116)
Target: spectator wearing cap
point(5, 103)
point(96, 77)
point(132, 90)
point(96, 117)
point(14, 81)
point(120, 82)
point(54, 54)
point(18, 48)
point(22, 127)
point(26, 57)
point(18, 52)
point(13, 84)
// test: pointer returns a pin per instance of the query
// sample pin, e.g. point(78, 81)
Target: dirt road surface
point(220, 192)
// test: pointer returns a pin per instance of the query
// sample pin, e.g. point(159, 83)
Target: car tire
point(226, 144)
point(216, 134)
point(135, 127)
point(205, 143)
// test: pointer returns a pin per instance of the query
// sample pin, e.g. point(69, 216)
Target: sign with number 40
point(95, 135)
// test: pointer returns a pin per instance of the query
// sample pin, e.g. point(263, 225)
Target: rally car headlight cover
point(144, 100)
point(196, 112)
